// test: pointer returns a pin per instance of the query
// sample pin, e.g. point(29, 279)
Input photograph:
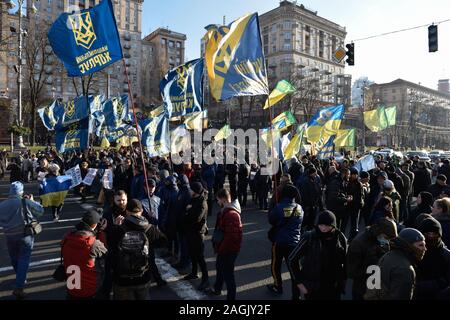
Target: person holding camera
point(18, 219)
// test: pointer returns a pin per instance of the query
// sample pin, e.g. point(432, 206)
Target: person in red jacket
point(227, 240)
point(81, 251)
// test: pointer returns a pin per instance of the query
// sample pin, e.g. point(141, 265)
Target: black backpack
point(133, 255)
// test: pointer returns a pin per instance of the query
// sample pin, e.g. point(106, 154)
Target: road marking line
point(60, 221)
point(33, 264)
point(182, 288)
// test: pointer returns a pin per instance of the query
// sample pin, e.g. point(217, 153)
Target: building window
point(164, 42)
point(178, 44)
point(287, 46)
point(307, 29)
point(307, 43)
point(60, 4)
point(394, 91)
point(91, 3)
point(287, 25)
point(72, 2)
point(274, 49)
point(136, 28)
point(127, 26)
point(274, 28)
point(171, 44)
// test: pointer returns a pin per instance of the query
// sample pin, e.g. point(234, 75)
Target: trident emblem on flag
point(83, 29)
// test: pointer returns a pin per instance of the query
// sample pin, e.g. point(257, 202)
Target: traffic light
point(433, 38)
point(350, 54)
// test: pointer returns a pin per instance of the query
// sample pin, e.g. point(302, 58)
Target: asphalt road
point(252, 266)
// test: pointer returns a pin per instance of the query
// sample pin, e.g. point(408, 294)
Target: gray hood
point(233, 205)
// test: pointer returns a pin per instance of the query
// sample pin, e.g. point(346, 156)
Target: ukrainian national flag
point(53, 190)
point(325, 122)
point(235, 59)
point(295, 144)
point(223, 133)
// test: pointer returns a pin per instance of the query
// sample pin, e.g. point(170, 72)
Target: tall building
point(357, 90)
point(444, 85)
point(128, 15)
point(298, 45)
point(165, 48)
point(423, 114)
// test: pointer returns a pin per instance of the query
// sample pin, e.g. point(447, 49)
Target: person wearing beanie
point(12, 221)
point(311, 196)
point(133, 239)
point(194, 229)
point(376, 187)
point(168, 214)
point(285, 220)
point(317, 264)
point(433, 271)
point(439, 187)
point(424, 205)
point(366, 250)
point(356, 191)
point(390, 192)
point(397, 267)
point(151, 213)
point(85, 247)
point(364, 178)
point(445, 169)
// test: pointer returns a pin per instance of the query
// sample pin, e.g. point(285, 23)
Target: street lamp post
point(21, 33)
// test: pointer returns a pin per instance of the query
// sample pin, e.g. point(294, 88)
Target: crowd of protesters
point(314, 207)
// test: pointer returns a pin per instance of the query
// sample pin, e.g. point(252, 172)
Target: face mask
point(382, 241)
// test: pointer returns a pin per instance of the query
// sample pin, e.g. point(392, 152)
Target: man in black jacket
point(311, 195)
point(422, 178)
point(439, 187)
point(433, 271)
point(354, 190)
point(195, 229)
point(130, 240)
point(445, 169)
point(337, 199)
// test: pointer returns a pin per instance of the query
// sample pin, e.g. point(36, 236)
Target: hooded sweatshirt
point(229, 222)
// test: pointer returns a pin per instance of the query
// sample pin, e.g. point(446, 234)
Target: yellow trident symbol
point(69, 108)
point(83, 29)
point(183, 73)
point(72, 131)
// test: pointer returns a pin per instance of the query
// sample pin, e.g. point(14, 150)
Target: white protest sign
point(366, 163)
point(108, 179)
point(75, 173)
point(90, 176)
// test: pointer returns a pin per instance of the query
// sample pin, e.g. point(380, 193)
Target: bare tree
point(306, 98)
point(38, 69)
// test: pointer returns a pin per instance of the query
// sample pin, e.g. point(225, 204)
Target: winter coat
point(122, 178)
point(363, 252)
point(296, 170)
point(398, 276)
point(310, 193)
point(137, 187)
point(209, 175)
point(184, 198)
point(133, 223)
point(83, 248)
point(422, 180)
point(355, 189)
point(152, 213)
point(336, 195)
point(445, 170)
point(319, 270)
point(436, 190)
point(229, 222)
point(417, 211)
point(196, 216)
point(287, 219)
point(444, 220)
point(433, 273)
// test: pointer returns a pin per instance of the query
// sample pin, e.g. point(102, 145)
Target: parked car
point(423, 156)
point(436, 154)
point(385, 152)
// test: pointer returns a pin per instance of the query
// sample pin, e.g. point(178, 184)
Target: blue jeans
point(225, 272)
point(19, 248)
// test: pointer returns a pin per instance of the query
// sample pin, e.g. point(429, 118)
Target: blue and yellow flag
point(155, 135)
point(327, 150)
point(284, 120)
point(53, 191)
point(235, 59)
point(182, 89)
point(86, 41)
point(325, 122)
point(116, 111)
point(74, 137)
point(47, 114)
point(115, 134)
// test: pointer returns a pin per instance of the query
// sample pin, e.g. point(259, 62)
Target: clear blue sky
point(404, 55)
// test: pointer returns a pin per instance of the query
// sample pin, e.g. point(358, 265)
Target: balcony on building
point(127, 46)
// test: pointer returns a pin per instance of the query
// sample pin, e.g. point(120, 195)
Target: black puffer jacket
point(196, 215)
point(433, 274)
point(317, 268)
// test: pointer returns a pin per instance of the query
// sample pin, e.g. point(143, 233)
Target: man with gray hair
point(14, 212)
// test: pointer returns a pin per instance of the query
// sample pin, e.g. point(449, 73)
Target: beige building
point(423, 115)
point(128, 15)
point(163, 49)
point(298, 45)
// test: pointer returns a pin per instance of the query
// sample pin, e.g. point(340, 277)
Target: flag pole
point(272, 147)
point(137, 131)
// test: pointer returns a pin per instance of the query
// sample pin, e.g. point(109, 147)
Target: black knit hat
point(289, 191)
point(411, 235)
point(430, 225)
point(197, 187)
point(91, 217)
point(327, 218)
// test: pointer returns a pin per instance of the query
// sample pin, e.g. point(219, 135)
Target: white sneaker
point(56, 219)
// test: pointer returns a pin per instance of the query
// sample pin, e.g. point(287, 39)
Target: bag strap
point(24, 211)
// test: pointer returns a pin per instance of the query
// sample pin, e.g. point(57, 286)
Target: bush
point(18, 130)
